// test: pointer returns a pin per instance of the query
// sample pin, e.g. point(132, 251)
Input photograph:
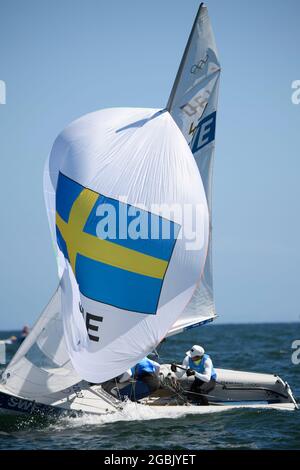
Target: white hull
point(234, 390)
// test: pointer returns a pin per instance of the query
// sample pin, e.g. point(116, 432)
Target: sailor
point(19, 339)
point(198, 364)
point(25, 332)
point(146, 381)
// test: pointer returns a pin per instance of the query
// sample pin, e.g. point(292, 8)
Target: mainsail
point(193, 106)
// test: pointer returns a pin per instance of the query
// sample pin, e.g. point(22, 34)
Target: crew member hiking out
point(198, 364)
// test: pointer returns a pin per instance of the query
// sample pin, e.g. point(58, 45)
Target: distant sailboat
point(118, 297)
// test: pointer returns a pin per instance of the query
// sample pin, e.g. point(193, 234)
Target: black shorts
point(203, 387)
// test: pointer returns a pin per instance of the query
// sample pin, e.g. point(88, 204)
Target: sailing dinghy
point(127, 285)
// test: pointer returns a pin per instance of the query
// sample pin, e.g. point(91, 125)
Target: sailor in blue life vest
point(198, 364)
point(145, 380)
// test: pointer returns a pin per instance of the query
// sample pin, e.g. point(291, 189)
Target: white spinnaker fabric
point(193, 105)
point(42, 366)
point(141, 156)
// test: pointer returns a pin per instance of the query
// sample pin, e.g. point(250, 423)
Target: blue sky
point(61, 59)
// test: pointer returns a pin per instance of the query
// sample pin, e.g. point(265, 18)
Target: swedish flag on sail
point(123, 272)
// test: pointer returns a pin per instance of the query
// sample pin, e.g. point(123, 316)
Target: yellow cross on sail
point(95, 260)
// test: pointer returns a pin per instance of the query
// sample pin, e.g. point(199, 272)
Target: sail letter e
point(204, 133)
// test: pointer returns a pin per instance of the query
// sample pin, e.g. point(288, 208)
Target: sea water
point(256, 347)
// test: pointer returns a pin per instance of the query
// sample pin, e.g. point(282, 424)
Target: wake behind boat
point(126, 287)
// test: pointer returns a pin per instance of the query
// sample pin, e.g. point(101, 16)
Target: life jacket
point(145, 365)
point(200, 367)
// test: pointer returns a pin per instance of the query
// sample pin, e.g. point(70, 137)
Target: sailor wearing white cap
point(198, 364)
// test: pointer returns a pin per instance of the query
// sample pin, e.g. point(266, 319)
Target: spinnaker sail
point(121, 177)
point(193, 106)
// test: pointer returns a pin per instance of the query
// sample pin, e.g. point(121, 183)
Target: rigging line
point(217, 382)
point(173, 389)
point(187, 368)
point(118, 390)
point(188, 392)
point(156, 353)
point(160, 344)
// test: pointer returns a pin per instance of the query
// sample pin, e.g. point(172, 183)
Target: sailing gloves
point(189, 372)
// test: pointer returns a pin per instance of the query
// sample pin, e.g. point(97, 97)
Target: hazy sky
point(61, 59)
